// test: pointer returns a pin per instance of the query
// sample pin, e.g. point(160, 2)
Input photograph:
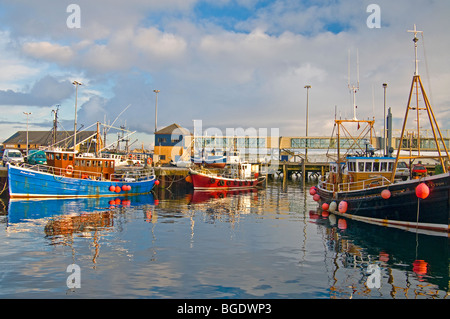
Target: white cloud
point(160, 45)
point(48, 51)
point(250, 74)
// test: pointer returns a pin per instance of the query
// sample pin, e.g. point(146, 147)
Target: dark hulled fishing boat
point(364, 188)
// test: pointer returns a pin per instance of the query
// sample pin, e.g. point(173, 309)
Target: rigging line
point(427, 70)
point(119, 116)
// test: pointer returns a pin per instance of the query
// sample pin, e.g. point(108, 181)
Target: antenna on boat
point(415, 48)
point(352, 87)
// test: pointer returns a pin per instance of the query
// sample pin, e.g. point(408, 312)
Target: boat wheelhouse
point(66, 163)
point(359, 173)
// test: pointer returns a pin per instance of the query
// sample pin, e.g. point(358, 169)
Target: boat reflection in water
point(254, 243)
point(392, 263)
point(200, 196)
point(65, 217)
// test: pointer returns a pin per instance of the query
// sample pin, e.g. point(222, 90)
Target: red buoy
point(342, 224)
point(325, 206)
point(316, 197)
point(420, 267)
point(117, 189)
point(422, 190)
point(343, 207)
point(112, 188)
point(386, 193)
point(312, 190)
point(157, 182)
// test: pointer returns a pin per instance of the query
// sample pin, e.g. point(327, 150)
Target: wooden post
point(303, 172)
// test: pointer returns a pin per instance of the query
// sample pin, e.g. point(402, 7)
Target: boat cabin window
point(351, 166)
point(361, 167)
point(370, 166)
point(376, 167)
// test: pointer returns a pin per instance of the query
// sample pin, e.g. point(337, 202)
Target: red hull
point(202, 181)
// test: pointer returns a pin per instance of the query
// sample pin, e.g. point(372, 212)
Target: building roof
point(171, 128)
point(44, 138)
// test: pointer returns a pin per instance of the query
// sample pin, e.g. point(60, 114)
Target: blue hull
point(28, 183)
point(23, 210)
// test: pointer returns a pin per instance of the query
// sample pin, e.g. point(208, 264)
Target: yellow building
point(172, 143)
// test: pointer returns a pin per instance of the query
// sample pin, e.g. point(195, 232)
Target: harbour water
point(266, 244)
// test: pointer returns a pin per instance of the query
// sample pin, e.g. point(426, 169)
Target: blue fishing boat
point(68, 174)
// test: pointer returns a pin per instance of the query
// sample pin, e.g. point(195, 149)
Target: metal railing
point(354, 186)
point(133, 175)
point(128, 176)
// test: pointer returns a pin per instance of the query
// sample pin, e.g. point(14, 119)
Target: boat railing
point(354, 186)
point(128, 176)
point(232, 174)
point(133, 175)
point(64, 172)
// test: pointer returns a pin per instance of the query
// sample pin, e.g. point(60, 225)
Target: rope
point(426, 67)
point(4, 186)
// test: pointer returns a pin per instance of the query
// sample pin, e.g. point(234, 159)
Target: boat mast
point(352, 87)
point(415, 86)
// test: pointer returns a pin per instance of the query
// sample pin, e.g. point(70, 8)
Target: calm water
point(269, 243)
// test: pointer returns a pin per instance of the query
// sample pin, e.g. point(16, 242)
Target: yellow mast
point(416, 88)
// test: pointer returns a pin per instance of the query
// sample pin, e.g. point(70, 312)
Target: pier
point(175, 176)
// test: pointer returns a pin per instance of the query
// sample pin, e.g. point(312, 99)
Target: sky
point(230, 63)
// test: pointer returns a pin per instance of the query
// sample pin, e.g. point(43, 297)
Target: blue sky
point(230, 63)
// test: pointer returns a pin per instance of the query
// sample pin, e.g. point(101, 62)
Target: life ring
point(228, 183)
point(212, 181)
point(149, 161)
point(220, 183)
point(69, 170)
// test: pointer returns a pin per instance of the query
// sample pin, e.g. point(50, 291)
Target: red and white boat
point(234, 178)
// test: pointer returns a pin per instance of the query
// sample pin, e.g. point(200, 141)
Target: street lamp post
point(307, 87)
point(27, 114)
point(384, 121)
point(76, 83)
point(156, 109)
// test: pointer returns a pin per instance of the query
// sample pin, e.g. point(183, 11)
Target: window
point(360, 167)
point(383, 166)
point(368, 166)
point(391, 166)
point(351, 166)
point(376, 167)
